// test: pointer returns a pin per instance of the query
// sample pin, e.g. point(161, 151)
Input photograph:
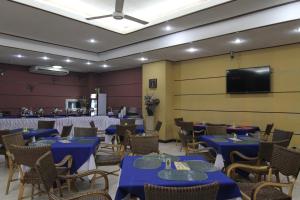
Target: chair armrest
point(89, 195)
point(66, 160)
point(263, 184)
point(87, 173)
point(239, 154)
point(235, 166)
point(197, 143)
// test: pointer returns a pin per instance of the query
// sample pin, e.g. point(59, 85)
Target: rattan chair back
point(269, 128)
point(207, 192)
point(13, 139)
point(178, 121)
point(143, 145)
point(158, 126)
point(28, 155)
point(46, 124)
point(266, 149)
point(279, 135)
point(92, 124)
point(286, 161)
point(126, 122)
point(187, 127)
point(46, 170)
point(66, 131)
point(216, 130)
point(3, 133)
point(85, 132)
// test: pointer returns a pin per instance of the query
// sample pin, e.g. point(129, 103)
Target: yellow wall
point(198, 90)
point(163, 73)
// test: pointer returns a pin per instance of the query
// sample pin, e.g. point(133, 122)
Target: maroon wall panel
point(20, 88)
point(123, 87)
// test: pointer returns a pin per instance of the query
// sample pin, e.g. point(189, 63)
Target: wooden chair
point(279, 135)
point(209, 153)
point(49, 175)
point(27, 156)
point(177, 124)
point(188, 137)
point(263, 158)
point(123, 133)
point(110, 157)
point(85, 132)
point(66, 131)
point(267, 132)
point(216, 130)
point(207, 192)
point(284, 160)
point(2, 147)
point(100, 133)
point(46, 124)
point(143, 145)
point(10, 139)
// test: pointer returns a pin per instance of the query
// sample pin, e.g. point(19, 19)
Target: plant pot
point(149, 123)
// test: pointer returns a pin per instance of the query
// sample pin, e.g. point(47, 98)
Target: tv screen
point(249, 80)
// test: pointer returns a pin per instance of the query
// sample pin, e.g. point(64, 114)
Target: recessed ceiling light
point(45, 58)
point(143, 59)
point(92, 40)
point(168, 28)
point(237, 41)
point(68, 60)
point(57, 67)
point(19, 56)
point(105, 65)
point(88, 63)
point(192, 50)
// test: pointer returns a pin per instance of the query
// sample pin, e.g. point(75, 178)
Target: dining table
point(132, 179)
point(239, 130)
point(37, 133)
point(82, 150)
point(225, 144)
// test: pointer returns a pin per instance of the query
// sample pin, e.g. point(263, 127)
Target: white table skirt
point(101, 122)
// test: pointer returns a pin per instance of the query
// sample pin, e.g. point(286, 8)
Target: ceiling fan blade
point(119, 6)
point(98, 17)
point(135, 19)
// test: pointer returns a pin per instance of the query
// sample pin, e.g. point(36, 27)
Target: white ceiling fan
point(118, 14)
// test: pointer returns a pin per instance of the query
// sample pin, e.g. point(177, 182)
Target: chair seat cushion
point(266, 193)
point(111, 159)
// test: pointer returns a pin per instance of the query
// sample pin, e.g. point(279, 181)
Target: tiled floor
point(169, 148)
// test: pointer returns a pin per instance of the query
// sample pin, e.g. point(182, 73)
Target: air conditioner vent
point(49, 70)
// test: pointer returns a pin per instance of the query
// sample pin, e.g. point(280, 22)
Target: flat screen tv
point(249, 80)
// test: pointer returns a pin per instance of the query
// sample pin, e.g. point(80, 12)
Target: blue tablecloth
point(225, 148)
point(111, 130)
point(132, 180)
point(80, 149)
point(239, 130)
point(37, 133)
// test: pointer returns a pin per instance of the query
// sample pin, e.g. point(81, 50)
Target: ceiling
point(35, 33)
point(149, 11)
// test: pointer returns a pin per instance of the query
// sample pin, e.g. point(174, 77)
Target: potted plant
point(151, 102)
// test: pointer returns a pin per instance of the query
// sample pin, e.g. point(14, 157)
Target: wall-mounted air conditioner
point(49, 70)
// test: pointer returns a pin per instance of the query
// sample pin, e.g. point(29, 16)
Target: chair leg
point(32, 191)
point(21, 191)
point(9, 179)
